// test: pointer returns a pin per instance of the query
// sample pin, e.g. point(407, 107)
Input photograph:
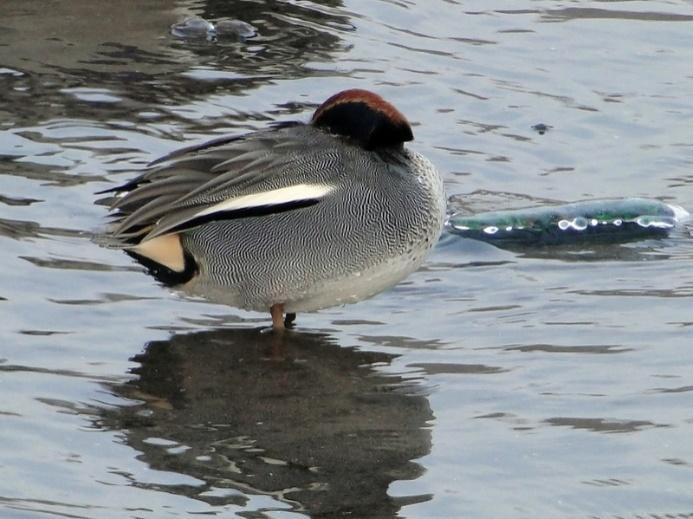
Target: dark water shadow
point(106, 62)
point(452, 247)
point(568, 14)
point(676, 245)
point(314, 425)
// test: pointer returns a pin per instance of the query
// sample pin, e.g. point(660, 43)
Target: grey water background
point(549, 382)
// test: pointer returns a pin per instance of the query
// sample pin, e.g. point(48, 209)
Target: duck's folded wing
point(228, 178)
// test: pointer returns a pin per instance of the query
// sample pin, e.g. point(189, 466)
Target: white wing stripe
point(279, 196)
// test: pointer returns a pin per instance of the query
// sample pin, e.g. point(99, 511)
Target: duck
point(296, 217)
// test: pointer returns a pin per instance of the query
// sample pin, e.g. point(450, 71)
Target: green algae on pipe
point(597, 220)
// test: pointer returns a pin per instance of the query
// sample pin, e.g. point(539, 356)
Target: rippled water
point(536, 382)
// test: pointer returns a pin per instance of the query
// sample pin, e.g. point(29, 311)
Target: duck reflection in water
point(297, 417)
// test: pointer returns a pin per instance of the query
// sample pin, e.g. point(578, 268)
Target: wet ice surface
point(543, 382)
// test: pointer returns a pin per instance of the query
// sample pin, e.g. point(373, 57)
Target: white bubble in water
point(491, 229)
point(579, 224)
point(235, 28)
point(192, 27)
point(659, 223)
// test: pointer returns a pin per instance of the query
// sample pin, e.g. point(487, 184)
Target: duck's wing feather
point(231, 177)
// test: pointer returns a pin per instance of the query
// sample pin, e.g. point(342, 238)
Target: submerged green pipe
point(598, 220)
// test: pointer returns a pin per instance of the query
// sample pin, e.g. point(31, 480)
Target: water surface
point(536, 382)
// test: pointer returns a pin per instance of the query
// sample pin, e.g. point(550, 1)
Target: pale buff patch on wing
point(165, 250)
point(279, 196)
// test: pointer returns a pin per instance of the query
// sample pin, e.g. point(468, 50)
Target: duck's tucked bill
point(296, 217)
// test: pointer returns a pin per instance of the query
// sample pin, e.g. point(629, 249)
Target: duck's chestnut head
point(363, 117)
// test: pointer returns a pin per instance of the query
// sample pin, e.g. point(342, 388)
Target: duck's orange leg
point(277, 311)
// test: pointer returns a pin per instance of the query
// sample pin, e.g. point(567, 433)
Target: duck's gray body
point(294, 216)
point(373, 229)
